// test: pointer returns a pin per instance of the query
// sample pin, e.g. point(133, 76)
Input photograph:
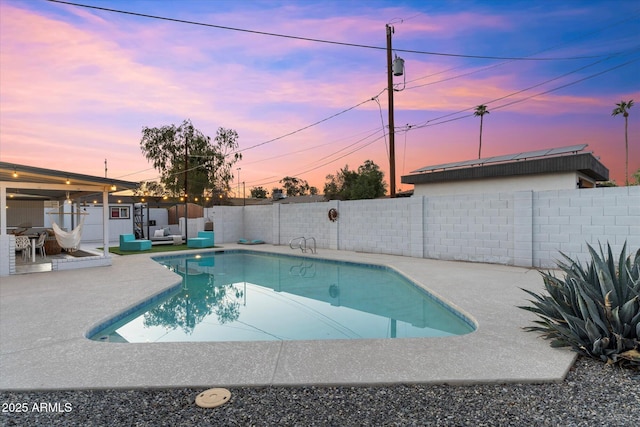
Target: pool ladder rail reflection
point(301, 243)
point(304, 269)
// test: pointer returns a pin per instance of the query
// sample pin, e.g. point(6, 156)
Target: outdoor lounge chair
point(205, 239)
point(128, 242)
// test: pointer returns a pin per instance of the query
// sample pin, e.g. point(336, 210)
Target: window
point(119, 212)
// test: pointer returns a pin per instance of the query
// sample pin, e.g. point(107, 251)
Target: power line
point(495, 66)
point(309, 126)
point(439, 119)
point(438, 122)
point(375, 97)
point(326, 163)
point(290, 153)
point(569, 84)
point(316, 166)
point(513, 93)
point(309, 39)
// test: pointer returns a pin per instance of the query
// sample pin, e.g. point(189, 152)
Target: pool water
point(251, 296)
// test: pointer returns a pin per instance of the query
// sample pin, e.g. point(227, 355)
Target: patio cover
point(32, 183)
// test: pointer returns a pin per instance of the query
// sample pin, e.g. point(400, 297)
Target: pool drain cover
point(213, 397)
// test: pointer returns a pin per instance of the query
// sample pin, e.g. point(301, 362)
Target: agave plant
point(593, 309)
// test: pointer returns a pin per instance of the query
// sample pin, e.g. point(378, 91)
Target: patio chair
point(40, 244)
point(23, 245)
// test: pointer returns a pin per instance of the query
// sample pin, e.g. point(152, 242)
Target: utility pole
point(186, 192)
point(238, 192)
point(392, 142)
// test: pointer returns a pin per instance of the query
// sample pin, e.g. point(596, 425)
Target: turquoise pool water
point(252, 296)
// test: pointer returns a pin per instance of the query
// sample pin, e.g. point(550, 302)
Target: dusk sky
point(77, 84)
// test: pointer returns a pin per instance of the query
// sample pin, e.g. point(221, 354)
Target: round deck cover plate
point(213, 397)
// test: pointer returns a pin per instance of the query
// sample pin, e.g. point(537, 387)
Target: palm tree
point(623, 108)
point(481, 110)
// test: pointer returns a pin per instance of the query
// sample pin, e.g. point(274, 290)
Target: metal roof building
point(540, 170)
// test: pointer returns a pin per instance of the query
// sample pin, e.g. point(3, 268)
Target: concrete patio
point(44, 318)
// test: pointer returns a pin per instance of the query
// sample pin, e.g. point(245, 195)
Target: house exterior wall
point(92, 230)
point(541, 182)
point(25, 211)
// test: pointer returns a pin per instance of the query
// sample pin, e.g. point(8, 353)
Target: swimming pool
point(243, 295)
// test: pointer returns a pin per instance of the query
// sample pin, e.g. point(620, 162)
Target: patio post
point(3, 210)
point(105, 221)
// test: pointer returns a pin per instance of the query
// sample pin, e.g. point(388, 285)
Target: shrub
point(593, 309)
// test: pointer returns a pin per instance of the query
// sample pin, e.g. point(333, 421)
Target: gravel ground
point(593, 394)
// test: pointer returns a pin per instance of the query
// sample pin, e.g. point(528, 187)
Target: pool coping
point(44, 319)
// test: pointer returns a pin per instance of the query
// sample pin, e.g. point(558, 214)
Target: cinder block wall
point(258, 223)
point(523, 228)
point(569, 220)
point(304, 220)
point(375, 226)
point(227, 223)
point(471, 228)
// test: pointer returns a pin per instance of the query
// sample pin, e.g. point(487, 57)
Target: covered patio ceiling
point(31, 183)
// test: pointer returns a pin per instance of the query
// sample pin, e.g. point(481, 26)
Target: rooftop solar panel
point(530, 154)
point(568, 149)
point(501, 158)
point(505, 158)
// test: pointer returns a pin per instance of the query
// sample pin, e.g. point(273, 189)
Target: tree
point(365, 183)
point(480, 110)
point(340, 185)
point(294, 186)
point(636, 177)
point(149, 188)
point(226, 155)
point(369, 183)
point(623, 108)
point(186, 158)
point(259, 193)
point(202, 297)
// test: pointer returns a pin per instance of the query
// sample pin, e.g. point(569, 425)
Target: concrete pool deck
point(44, 318)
